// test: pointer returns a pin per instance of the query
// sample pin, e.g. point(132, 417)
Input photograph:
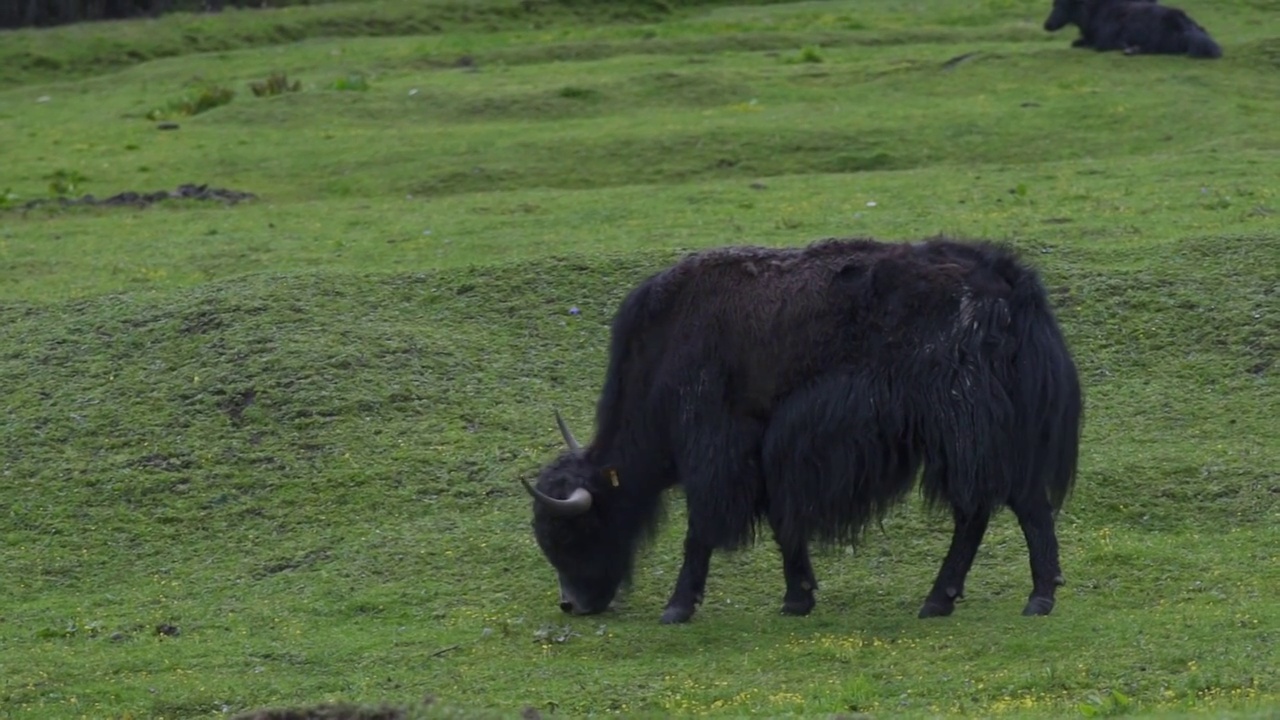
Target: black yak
point(810, 387)
point(1134, 26)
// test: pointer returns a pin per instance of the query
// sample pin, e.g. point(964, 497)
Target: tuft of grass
point(578, 93)
point(1113, 704)
point(807, 54)
point(352, 82)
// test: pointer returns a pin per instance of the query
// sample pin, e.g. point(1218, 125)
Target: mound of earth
point(142, 199)
point(383, 711)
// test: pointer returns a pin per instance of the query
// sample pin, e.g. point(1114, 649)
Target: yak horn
point(578, 502)
point(568, 435)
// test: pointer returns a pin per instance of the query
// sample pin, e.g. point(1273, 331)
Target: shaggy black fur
point(1134, 26)
point(809, 387)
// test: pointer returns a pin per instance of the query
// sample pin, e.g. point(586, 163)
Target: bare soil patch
point(131, 198)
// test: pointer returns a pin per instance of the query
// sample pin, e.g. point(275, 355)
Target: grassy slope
point(86, 49)
point(361, 513)
point(479, 158)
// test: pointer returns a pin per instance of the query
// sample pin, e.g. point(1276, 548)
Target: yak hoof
point(1038, 606)
point(798, 607)
point(934, 608)
point(676, 614)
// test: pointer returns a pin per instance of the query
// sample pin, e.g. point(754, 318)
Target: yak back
point(756, 323)
point(1147, 25)
point(949, 361)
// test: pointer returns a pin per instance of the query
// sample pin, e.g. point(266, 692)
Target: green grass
point(293, 428)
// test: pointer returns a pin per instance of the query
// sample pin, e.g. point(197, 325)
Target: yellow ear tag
point(613, 477)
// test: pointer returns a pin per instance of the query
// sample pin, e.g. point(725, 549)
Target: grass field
point(266, 454)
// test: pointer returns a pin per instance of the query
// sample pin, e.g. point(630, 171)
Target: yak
point(1133, 26)
point(810, 387)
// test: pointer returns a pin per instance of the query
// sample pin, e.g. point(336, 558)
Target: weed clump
point(201, 99)
point(578, 93)
point(807, 54)
point(65, 182)
point(275, 84)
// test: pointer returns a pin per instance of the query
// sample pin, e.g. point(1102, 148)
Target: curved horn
point(578, 502)
point(568, 435)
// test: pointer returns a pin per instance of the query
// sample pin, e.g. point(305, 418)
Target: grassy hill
point(266, 453)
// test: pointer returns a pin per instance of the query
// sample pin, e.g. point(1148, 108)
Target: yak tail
point(1200, 45)
point(1049, 405)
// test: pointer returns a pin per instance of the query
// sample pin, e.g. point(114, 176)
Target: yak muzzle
point(1056, 20)
point(571, 606)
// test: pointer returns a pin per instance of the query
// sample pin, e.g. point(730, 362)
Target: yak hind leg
point(797, 570)
point(691, 583)
point(1036, 518)
point(949, 584)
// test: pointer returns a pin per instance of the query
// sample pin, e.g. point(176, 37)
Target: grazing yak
point(1135, 26)
point(810, 387)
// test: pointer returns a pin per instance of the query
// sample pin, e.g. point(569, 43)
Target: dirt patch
point(352, 711)
point(336, 711)
point(234, 405)
point(306, 560)
point(143, 199)
point(164, 463)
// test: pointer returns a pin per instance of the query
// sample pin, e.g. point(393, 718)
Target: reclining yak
point(810, 386)
point(1134, 26)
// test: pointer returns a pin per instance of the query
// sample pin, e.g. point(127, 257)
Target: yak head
point(572, 522)
point(1063, 13)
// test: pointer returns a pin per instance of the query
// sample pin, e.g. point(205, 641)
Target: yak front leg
point(721, 491)
point(692, 582)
